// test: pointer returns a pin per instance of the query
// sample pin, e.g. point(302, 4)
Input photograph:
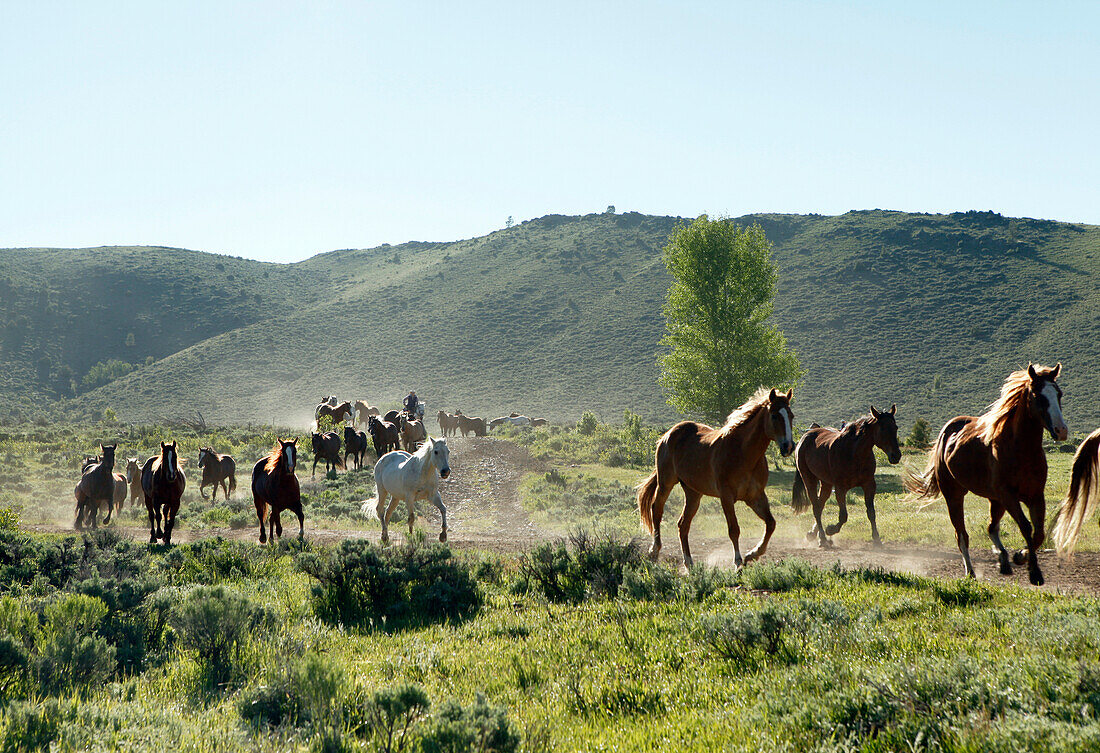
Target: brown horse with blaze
point(999, 455)
point(727, 462)
point(275, 488)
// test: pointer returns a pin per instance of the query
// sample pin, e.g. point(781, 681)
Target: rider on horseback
point(411, 403)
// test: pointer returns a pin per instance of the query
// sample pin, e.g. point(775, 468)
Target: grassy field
point(553, 316)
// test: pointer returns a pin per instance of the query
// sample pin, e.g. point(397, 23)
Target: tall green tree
point(721, 345)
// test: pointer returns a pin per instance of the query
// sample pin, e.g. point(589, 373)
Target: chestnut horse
point(1080, 501)
point(999, 455)
point(338, 413)
point(163, 484)
point(448, 424)
point(217, 470)
point(467, 424)
point(133, 479)
point(275, 488)
point(843, 459)
point(727, 463)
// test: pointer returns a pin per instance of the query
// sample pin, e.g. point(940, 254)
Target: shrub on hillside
point(480, 727)
point(588, 564)
point(305, 689)
point(919, 435)
point(71, 656)
point(359, 582)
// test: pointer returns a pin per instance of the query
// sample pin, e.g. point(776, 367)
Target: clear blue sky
point(279, 130)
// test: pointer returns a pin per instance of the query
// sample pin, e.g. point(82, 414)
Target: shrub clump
point(587, 564)
point(217, 623)
point(359, 582)
point(306, 689)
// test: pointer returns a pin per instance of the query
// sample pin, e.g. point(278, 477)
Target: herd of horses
point(997, 455)
point(396, 435)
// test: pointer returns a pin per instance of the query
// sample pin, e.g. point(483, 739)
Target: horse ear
point(1031, 372)
point(874, 413)
point(790, 395)
point(893, 409)
point(1057, 369)
point(773, 395)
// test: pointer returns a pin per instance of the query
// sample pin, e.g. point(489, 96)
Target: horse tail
point(232, 482)
point(800, 500)
point(647, 492)
point(369, 508)
point(1081, 499)
point(926, 484)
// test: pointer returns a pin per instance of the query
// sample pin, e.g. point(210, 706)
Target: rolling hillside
point(557, 315)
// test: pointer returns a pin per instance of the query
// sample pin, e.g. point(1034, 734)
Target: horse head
point(108, 454)
point(886, 432)
point(440, 456)
point(168, 459)
point(204, 454)
point(1046, 399)
point(290, 453)
point(780, 421)
point(133, 470)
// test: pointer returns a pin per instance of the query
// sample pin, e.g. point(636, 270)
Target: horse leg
point(1012, 505)
point(152, 525)
point(763, 510)
point(160, 531)
point(734, 530)
point(819, 501)
point(996, 512)
point(958, 520)
point(410, 505)
point(202, 490)
point(869, 502)
point(297, 509)
point(110, 510)
point(277, 519)
point(313, 473)
point(691, 506)
point(389, 511)
point(381, 512)
point(261, 508)
point(437, 500)
point(842, 503)
point(657, 511)
point(170, 511)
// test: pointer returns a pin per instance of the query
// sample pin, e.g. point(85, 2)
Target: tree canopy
point(721, 344)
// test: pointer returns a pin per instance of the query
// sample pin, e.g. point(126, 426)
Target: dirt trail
point(482, 498)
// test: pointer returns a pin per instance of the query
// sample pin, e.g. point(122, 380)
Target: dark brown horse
point(1081, 498)
point(727, 463)
point(999, 455)
point(355, 444)
point(393, 416)
point(217, 470)
point(467, 424)
point(275, 488)
point(843, 459)
point(163, 483)
point(326, 447)
point(385, 435)
point(95, 488)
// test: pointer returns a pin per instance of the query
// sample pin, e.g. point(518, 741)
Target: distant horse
point(364, 410)
point(355, 444)
point(217, 470)
point(467, 424)
point(843, 459)
point(326, 447)
point(385, 435)
point(163, 483)
point(412, 433)
point(133, 479)
point(275, 488)
point(403, 476)
point(96, 487)
point(329, 400)
point(727, 463)
point(448, 424)
point(513, 420)
point(1080, 501)
point(539, 422)
point(338, 413)
point(999, 455)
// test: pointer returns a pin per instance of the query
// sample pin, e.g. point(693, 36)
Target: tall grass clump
point(586, 564)
point(216, 623)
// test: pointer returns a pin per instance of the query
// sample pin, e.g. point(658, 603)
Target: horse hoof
point(825, 544)
point(832, 530)
point(1019, 557)
point(442, 536)
point(877, 544)
point(1006, 569)
point(1036, 578)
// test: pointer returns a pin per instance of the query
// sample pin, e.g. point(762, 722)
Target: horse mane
point(854, 427)
point(991, 424)
point(274, 457)
point(743, 414)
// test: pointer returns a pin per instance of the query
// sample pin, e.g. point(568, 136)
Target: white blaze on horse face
point(1054, 410)
point(788, 433)
point(291, 456)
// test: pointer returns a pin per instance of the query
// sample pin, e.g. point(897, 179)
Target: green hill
point(555, 316)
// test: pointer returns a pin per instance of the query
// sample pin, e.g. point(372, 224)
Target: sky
point(278, 130)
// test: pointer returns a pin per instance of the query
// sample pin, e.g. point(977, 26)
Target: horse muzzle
point(894, 457)
point(445, 472)
point(786, 448)
point(1059, 433)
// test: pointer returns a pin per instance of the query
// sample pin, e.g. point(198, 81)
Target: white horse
point(402, 476)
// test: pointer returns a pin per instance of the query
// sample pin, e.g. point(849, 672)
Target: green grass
point(555, 316)
point(784, 657)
